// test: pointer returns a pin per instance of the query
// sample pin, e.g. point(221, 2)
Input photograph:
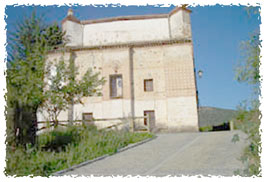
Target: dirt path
point(210, 153)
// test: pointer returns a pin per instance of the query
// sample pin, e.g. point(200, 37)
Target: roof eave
point(124, 18)
point(70, 18)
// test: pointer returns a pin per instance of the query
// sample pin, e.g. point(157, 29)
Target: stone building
point(147, 62)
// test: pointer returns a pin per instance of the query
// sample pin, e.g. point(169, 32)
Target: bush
point(60, 149)
point(249, 123)
point(205, 128)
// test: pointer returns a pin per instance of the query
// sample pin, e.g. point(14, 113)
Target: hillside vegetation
point(211, 116)
point(61, 149)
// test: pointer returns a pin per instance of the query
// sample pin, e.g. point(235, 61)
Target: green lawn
point(61, 149)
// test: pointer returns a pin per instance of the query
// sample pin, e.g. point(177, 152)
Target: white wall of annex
point(74, 33)
point(180, 25)
point(125, 31)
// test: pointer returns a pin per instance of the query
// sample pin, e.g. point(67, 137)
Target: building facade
point(147, 62)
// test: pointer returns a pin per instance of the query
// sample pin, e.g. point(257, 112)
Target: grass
point(249, 122)
point(61, 149)
point(205, 128)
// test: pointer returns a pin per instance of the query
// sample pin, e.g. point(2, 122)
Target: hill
point(211, 116)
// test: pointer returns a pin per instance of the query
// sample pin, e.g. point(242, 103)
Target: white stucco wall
point(170, 66)
point(125, 31)
point(186, 24)
point(180, 25)
point(173, 98)
point(116, 108)
point(182, 114)
point(175, 26)
point(74, 33)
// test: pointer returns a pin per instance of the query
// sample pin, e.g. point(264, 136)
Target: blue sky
point(216, 31)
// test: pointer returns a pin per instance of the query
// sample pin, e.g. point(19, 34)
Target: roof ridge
point(71, 17)
point(129, 17)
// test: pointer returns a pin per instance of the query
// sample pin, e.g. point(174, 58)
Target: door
point(151, 115)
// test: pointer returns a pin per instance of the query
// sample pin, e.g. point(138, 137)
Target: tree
point(248, 120)
point(64, 89)
point(28, 48)
point(247, 69)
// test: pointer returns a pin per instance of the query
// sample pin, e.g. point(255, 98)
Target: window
point(87, 116)
point(116, 86)
point(148, 85)
point(53, 71)
point(52, 74)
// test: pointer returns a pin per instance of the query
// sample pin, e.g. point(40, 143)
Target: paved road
point(210, 153)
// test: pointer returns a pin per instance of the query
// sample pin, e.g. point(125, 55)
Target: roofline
point(70, 18)
point(123, 45)
point(124, 18)
point(180, 8)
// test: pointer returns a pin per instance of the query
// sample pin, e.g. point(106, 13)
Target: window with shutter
point(116, 86)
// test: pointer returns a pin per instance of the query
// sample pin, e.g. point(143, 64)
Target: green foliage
point(205, 128)
point(211, 116)
point(235, 138)
point(64, 90)
point(28, 47)
point(247, 69)
point(32, 32)
point(249, 122)
point(86, 143)
point(30, 44)
point(249, 119)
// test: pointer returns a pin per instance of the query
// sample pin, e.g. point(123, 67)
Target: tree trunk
point(55, 122)
point(34, 126)
point(70, 112)
point(10, 126)
point(25, 124)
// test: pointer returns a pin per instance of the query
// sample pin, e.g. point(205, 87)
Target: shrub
point(65, 148)
point(249, 123)
point(205, 128)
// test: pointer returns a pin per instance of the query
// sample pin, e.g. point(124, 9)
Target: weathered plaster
point(136, 57)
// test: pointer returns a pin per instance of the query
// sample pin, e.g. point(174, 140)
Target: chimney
point(70, 12)
point(184, 5)
point(70, 17)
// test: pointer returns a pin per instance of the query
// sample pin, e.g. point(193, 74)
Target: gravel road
point(175, 154)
